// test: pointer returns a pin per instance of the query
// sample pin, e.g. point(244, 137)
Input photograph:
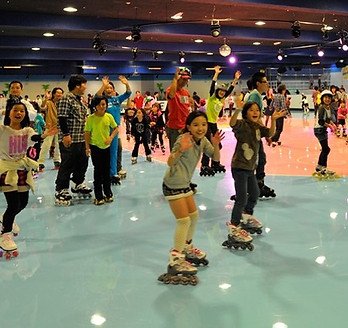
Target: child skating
point(182, 163)
point(248, 132)
point(98, 140)
point(323, 121)
point(15, 170)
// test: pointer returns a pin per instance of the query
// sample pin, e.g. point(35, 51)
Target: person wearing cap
point(179, 104)
point(215, 103)
point(323, 120)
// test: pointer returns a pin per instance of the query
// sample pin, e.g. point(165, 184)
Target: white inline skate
point(63, 198)
point(8, 247)
point(194, 255)
point(81, 191)
point(251, 224)
point(179, 271)
point(238, 238)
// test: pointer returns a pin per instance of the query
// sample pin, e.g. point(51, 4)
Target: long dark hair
point(10, 104)
point(246, 108)
point(191, 117)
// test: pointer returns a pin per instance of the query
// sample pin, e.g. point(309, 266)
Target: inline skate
point(179, 271)
point(8, 247)
point(122, 174)
point(115, 180)
point(56, 165)
point(109, 199)
point(265, 191)
point(63, 198)
point(134, 160)
point(322, 173)
point(251, 224)
point(238, 238)
point(194, 255)
point(207, 171)
point(15, 227)
point(99, 201)
point(41, 168)
point(193, 187)
point(81, 191)
point(217, 167)
point(149, 158)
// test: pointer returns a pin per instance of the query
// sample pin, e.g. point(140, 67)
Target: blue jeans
point(247, 193)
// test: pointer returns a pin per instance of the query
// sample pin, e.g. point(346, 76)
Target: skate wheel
point(205, 262)
point(8, 256)
point(176, 280)
point(259, 232)
point(15, 234)
point(250, 247)
point(1, 253)
point(243, 247)
point(185, 281)
point(193, 280)
point(15, 253)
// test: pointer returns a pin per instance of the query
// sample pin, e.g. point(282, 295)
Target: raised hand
point(217, 137)
point(217, 69)
point(105, 81)
point(279, 114)
point(237, 75)
point(123, 79)
point(186, 141)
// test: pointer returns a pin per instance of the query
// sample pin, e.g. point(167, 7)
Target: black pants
point(212, 128)
point(101, 162)
point(16, 202)
point(119, 155)
point(74, 162)
point(325, 151)
point(279, 129)
point(260, 169)
point(138, 141)
point(154, 134)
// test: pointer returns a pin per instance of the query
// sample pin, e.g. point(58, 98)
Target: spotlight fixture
point(135, 53)
point(232, 59)
point(225, 49)
point(343, 39)
point(280, 55)
point(182, 57)
point(296, 29)
point(96, 42)
point(320, 51)
point(154, 55)
point(325, 32)
point(215, 28)
point(135, 34)
point(102, 50)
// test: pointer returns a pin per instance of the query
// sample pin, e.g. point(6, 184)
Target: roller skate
point(238, 238)
point(207, 171)
point(122, 174)
point(134, 160)
point(115, 180)
point(81, 191)
point(109, 199)
point(15, 228)
point(99, 201)
point(265, 191)
point(41, 168)
point(179, 271)
point(56, 165)
point(163, 150)
point(251, 224)
point(8, 248)
point(194, 255)
point(193, 187)
point(322, 173)
point(149, 158)
point(63, 198)
point(217, 167)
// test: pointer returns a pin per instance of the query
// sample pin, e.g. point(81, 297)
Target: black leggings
point(16, 202)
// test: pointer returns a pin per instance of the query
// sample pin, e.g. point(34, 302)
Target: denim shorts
point(172, 194)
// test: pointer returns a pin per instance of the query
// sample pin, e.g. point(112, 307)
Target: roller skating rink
point(85, 266)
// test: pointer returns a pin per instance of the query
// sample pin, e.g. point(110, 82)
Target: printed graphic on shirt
point(140, 127)
point(184, 99)
point(248, 152)
point(17, 145)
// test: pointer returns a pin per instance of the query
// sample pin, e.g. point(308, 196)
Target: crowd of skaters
point(78, 128)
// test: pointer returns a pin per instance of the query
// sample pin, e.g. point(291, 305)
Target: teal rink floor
point(86, 266)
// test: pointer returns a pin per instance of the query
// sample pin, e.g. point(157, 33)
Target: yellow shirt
point(100, 128)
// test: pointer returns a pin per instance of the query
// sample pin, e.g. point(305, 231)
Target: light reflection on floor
point(87, 266)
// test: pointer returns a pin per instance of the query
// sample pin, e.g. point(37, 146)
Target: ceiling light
point(12, 67)
point(260, 23)
point(199, 41)
point(215, 28)
point(210, 53)
point(320, 52)
point(96, 42)
point(327, 27)
point(280, 55)
point(160, 52)
point(343, 39)
point(182, 57)
point(232, 59)
point(88, 67)
point(296, 29)
point(35, 48)
point(345, 47)
point(225, 49)
point(177, 16)
point(102, 50)
point(154, 68)
point(315, 63)
point(277, 43)
point(129, 37)
point(48, 34)
point(70, 9)
point(154, 55)
point(256, 43)
point(135, 34)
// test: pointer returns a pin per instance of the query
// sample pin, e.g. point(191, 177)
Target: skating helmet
point(185, 73)
point(326, 93)
point(221, 87)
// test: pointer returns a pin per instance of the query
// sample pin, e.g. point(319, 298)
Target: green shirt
point(214, 107)
point(100, 127)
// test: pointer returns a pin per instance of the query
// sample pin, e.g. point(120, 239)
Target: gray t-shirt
point(248, 137)
point(179, 175)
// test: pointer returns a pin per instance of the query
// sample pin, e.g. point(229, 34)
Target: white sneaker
point(6, 242)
